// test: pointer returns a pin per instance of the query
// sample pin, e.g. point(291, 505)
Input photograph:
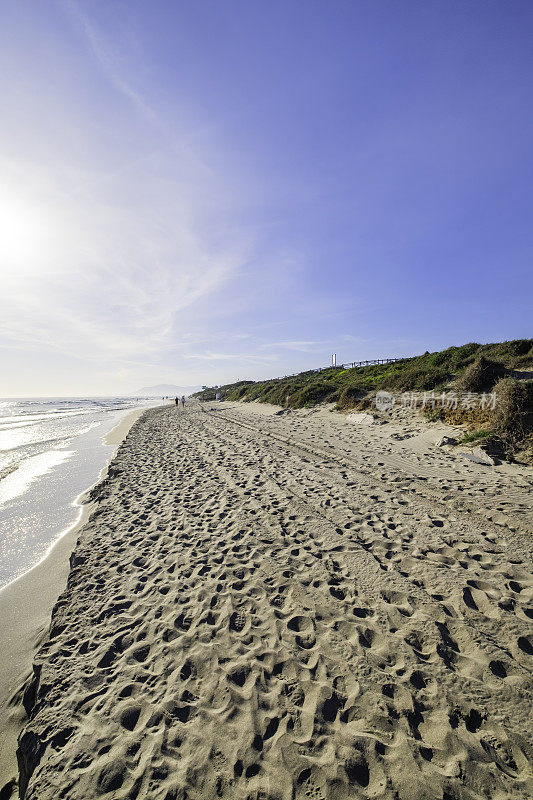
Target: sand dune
point(282, 607)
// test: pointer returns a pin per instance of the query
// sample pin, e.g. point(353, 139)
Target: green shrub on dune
point(513, 413)
point(481, 375)
point(312, 394)
point(418, 379)
point(350, 396)
point(469, 365)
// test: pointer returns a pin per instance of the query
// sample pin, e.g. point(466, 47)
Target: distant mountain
point(163, 389)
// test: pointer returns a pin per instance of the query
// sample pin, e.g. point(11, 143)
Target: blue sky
point(199, 192)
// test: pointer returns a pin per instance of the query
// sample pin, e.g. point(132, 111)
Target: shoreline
point(26, 605)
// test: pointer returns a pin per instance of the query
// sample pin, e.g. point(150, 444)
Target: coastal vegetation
point(471, 368)
point(500, 367)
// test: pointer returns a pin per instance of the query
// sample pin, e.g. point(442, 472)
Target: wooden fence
point(349, 365)
point(353, 364)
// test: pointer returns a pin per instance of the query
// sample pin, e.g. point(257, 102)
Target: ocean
point(51, 451)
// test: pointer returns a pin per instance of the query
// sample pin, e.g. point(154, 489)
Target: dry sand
point(289, 606)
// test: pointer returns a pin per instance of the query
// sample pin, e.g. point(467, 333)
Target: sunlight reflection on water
point(17, 482)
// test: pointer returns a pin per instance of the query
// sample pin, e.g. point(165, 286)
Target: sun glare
point(26, 237)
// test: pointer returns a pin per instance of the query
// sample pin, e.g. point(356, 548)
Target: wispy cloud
point(105, 254)
point(301, 346)
point(241, 357)
point(107, 55)
point(99, 284)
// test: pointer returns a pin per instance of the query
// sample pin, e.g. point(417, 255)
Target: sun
point(27, 236)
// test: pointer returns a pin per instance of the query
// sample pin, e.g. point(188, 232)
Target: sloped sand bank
point(266, 607)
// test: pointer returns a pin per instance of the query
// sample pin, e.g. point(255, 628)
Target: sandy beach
point(284, 605)
point(25, 609)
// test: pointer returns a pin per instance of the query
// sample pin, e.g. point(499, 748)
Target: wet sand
point(289, 606)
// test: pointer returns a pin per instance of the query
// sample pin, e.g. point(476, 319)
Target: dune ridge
point(281, 607)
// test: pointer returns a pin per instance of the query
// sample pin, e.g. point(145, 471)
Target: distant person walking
point(183, 401)
point(176, 401)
